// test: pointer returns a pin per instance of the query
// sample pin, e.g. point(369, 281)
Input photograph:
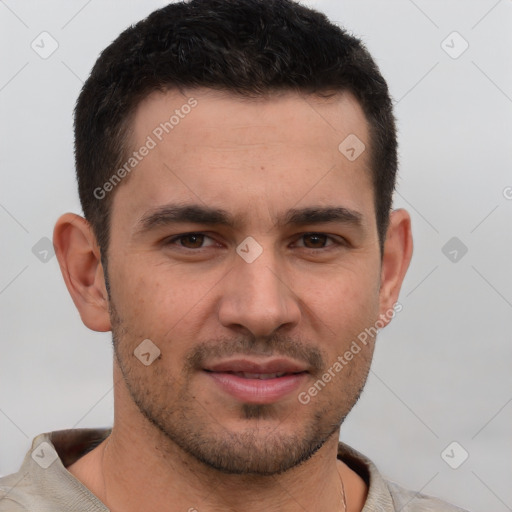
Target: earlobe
point(80, 264)
point(395, 261)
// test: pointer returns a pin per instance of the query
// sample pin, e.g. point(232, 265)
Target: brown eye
point(315, 240)
point(192, 240)
point(191, 244)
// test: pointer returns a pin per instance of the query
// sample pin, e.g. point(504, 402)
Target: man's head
point(250, 48)
point(248, 257)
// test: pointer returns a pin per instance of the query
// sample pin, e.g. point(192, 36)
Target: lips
point(261, 376)
point(257, 381)
point(252, 366)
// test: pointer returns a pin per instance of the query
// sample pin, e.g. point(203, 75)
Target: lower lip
point(258, 391)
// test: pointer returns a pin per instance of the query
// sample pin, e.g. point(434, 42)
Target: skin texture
point(177, 435)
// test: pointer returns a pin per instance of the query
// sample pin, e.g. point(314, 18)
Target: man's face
point(234, 306)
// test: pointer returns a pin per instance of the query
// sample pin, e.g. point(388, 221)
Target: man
point(236, 162)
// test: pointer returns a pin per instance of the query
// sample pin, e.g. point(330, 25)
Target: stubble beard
point(261, 448)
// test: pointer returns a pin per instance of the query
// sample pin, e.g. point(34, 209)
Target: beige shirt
point(43, 484)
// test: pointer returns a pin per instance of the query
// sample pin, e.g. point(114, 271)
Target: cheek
point(346, 300)
point(153, 306)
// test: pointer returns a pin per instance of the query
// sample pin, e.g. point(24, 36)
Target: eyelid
point(175, 238)
point(335, 239)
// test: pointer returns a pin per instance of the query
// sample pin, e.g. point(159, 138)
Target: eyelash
point(335, 241)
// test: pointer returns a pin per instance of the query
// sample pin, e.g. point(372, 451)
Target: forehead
point(216, 147)
point(221, 115)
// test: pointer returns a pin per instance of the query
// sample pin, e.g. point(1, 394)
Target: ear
point(80, 264)
point(395, 261)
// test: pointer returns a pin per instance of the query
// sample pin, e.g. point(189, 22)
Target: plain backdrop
point(442, 369)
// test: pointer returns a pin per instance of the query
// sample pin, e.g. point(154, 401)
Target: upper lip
point(276, 365)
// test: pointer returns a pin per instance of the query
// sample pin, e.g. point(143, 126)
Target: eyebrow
point(200, 214)
point(320, 215)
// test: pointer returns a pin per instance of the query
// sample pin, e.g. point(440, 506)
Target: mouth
point(256, 381)
point(261, 376)
point(248, 367)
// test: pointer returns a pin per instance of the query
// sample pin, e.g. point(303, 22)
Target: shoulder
point(10, 499)
point(8, 505)
point(43, 483)
point(385, 495)
point(410, 501)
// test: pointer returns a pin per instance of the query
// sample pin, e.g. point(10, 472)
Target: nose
point(258, 296)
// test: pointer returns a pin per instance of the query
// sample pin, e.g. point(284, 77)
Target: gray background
point(442, 369)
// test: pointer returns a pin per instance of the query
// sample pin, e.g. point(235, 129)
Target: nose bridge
point(256, 296)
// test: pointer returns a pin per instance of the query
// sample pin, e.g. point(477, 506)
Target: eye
point(190, 241)
point(318, 241)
